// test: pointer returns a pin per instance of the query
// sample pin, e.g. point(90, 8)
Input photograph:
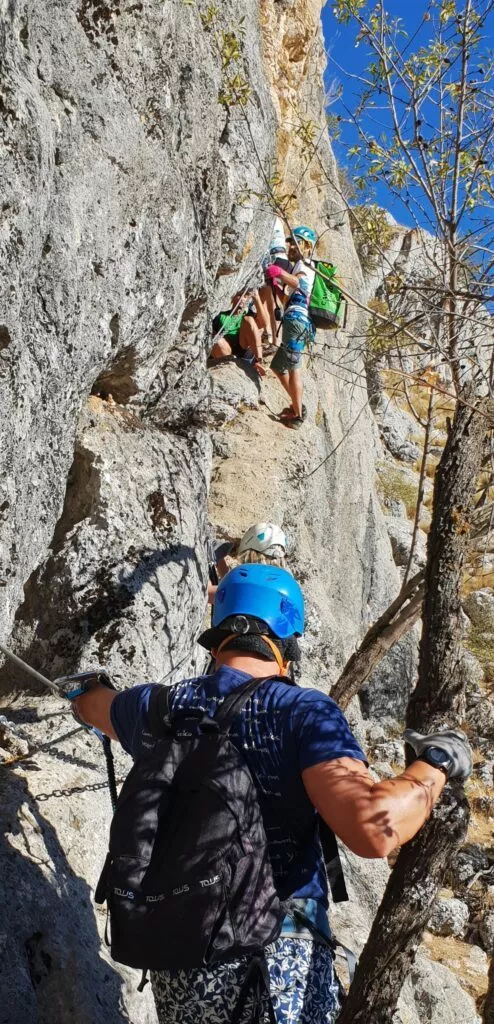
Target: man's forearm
point(289, 279)
point(405, 801)
point(94, 709)
point(372, 818)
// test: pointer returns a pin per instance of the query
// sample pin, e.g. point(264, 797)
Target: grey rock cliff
point(121, 234)
point(119, 209)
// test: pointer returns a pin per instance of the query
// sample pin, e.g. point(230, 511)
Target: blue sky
point(345, 58)
point(340, 45)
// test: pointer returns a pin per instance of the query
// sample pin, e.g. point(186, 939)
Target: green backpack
point(327, 307)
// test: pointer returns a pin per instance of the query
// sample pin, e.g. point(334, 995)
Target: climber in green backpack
point(314, 301)
point(298, 328)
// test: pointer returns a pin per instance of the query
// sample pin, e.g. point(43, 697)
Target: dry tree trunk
point(417, 875)
point(488, 1014)
point(420, 495)
point(439, 692)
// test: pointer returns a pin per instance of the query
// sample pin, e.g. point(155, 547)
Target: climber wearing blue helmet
point(260, 607)
point(268, 592)
point(243, 757)
point(298, 329)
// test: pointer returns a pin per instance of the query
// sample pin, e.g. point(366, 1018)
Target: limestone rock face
point(339, 548)
point(119, 183)
point(400, 534)
point(434, 996)
point(396, 427)
point(131, 535)
point(469, 861)
point(449, 917)
point(121, 233)
point(479, 607)
point(487, 932)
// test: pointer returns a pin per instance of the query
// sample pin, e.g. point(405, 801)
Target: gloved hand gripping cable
point(70, 687)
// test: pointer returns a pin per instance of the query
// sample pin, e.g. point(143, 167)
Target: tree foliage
point(423, 126)
point(372, 232)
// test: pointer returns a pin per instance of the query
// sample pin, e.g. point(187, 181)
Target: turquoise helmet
point(305, 233)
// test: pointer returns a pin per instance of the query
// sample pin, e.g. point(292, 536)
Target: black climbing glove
point(452, 742)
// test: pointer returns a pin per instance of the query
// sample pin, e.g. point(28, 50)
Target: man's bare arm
point(372, 818)
point(292, 280)
point(94, 709)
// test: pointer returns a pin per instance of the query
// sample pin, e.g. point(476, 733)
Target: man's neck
point(249, 663)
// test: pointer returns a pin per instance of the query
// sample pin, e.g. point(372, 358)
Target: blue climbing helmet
point(264, 592)
point(307, 234)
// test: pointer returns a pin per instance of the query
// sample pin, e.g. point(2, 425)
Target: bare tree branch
point(392, 625)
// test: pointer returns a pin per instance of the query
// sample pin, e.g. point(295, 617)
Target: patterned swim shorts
point(304, 988)
point(297, 334)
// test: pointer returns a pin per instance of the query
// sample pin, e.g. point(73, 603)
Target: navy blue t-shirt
point(282, 730)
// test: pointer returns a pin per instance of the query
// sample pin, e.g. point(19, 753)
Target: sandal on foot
point(289, 412)
point(294, 423)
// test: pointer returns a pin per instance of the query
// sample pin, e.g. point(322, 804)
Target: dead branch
point(392, 625)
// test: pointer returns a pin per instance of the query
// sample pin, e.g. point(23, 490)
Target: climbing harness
point(70, 687)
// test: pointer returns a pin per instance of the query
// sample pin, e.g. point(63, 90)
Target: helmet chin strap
point(282, 665)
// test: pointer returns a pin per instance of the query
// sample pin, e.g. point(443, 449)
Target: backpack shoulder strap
point(332, 863)
point(233, 704)
point(159, 720)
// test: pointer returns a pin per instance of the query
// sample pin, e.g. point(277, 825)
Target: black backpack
point(187, 879)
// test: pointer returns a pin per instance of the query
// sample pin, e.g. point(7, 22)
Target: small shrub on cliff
point(372, 233)
point(393, 482)
point(235, 90)
point(383, 334)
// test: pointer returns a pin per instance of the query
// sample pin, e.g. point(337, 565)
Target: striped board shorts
point(303, 982)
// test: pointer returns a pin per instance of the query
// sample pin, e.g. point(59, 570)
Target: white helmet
point(262, 537)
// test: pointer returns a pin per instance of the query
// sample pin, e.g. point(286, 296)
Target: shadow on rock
point(62, 630)
point(51, 970)
point(243, 365)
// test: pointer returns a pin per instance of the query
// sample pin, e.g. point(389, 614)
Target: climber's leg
point(267, 297)
point(220, 349)
point(284, 379)
point(262, 314)
point(296, 390)
point(286, 365)
point(250, 338)
point(250, 343)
